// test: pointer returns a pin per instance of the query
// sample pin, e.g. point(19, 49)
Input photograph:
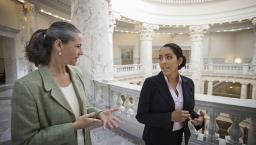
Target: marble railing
point(229, 68)
point(127, 70)
point(208, 69)
point(238, 112)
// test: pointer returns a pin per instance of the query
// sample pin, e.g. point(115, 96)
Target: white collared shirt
point(178, 100)
point(72, 100)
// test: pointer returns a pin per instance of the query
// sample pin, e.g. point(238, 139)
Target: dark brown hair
point(39, 48)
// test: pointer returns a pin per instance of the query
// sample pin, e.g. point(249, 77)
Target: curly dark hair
point(178, 52)
point(39, 47)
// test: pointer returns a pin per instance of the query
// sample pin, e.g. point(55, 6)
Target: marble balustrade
point(208, 68)
point(238, 111)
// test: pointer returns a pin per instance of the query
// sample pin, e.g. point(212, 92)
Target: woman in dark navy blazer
point(167, 102)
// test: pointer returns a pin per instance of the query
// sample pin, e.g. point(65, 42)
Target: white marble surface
point(226, 100)
point(102, 136)
point(5, 112)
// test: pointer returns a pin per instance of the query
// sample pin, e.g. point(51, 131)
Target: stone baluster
point(120, 102)
point(252, 131)
point(245, 69)
point(98, 97)
point(212, 126)
point(131, 105)
point(114, 99)
point(235, 131)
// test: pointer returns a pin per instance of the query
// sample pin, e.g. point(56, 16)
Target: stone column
point(254, 91)
point(146, 48)
point(28, 25)
point(210, 87)
point(253, 62)
point(202, 90)
point(92, 19)
point(197, 34)
point(243, 90)
point(113, 16)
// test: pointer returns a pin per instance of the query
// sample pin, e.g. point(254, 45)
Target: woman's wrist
point(75, 126)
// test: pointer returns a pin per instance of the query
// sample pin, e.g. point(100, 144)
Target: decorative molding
point(149, 27)
point(197, 33)
point(206, 13)
point(147, 31)
point(126, 96)
point(113, 17)
point(198, 28)
point(8, 31)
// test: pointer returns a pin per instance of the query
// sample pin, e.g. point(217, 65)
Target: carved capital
point(197, 32)
point(198, 29)
point(28, 8)
point(149, 27)
point(113, 16)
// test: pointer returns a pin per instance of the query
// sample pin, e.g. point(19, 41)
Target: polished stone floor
point(5, 110)
point(100, 136)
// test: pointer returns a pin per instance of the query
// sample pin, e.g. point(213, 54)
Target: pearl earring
point(59, 53)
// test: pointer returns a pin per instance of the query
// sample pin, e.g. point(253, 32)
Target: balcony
point(237, 115)
point(208, 69)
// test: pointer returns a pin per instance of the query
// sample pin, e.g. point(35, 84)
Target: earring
point(59, 53)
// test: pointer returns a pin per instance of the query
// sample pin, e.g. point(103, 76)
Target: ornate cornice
point(199, 29)
point(149, 27)
point(147, 30)
point(207, 13)
point(113, 16)
point(197, 32)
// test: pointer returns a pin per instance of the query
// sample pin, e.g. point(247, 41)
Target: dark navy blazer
point(155, 107)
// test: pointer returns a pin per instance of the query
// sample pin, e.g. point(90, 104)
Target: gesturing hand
point(85, 121)
point(199, 120)
point(109, 120)
point(180, 115)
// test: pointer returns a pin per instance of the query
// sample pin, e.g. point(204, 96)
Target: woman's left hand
point(109, 120)
point(198, 121)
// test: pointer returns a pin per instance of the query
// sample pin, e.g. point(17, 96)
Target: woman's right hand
point(180, 115)
point(86, 121)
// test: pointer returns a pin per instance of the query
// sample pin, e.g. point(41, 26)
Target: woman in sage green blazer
point(41, 113)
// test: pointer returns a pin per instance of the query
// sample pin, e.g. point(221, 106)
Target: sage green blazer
point(40, 113)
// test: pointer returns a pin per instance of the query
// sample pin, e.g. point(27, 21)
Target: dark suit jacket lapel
point(185, 90)
point(51, 86)
point(165, 92)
